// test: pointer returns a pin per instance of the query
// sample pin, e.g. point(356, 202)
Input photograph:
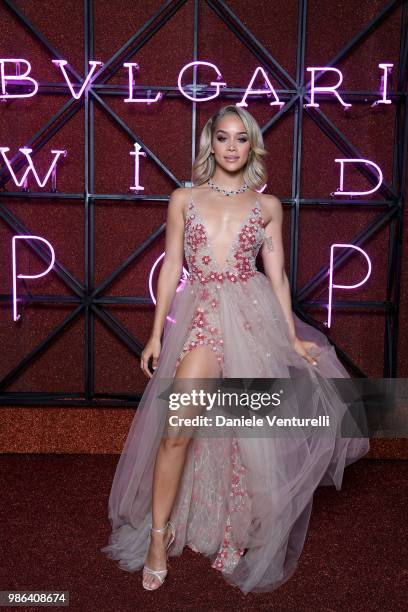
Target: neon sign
point(215, 84)
point(269, 90)
point(21, 80)
point(87, 82)
point(27, 87)
point(31, 168)
point(137, 153)
point(342, 161)
point(180, 287)
point(132, 65)
point(384, 83)
point(18, 77)
point(328, 88)
point(16, 316)
point(335, 286)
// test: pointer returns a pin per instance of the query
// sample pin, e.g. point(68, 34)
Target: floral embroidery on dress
point(207, 278)
point(240, 261)
point(229, 553)
point(204, 329)
point(205, 271)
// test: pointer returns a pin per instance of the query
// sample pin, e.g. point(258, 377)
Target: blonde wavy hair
point(255, 173)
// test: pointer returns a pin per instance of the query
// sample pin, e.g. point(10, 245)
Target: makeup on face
point(232, 144)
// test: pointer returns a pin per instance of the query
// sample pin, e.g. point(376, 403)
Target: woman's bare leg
point(200, 362)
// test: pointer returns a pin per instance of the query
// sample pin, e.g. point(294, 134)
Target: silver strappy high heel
point(159, 574)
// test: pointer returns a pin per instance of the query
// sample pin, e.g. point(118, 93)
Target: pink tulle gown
point(244, 502)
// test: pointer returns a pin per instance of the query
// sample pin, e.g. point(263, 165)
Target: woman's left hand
point(302, 347)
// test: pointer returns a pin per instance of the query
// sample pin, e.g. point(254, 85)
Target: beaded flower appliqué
point(209, 275)
point(240, 260)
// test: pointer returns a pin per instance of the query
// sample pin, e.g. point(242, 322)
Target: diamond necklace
point(227, 192)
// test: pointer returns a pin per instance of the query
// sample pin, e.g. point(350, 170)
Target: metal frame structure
point(88, 299)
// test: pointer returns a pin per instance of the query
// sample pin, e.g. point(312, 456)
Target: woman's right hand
point(152, 349)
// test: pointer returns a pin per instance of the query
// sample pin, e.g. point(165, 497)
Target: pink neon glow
point(86, 83)
point(16, 276)
point(270, 89)
point(183, 279)
point(18, 78)
point(332, 286)
point(262, 189)
point(137, 153)
point(217, 84)
point(130, 66)
point(327, 88)
point(31, 167)
point(357, 159)
point(387, 68)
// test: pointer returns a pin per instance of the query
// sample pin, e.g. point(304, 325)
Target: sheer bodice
point(240, 256)
point(207, 273)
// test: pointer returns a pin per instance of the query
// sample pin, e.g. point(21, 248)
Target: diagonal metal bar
point(353, 42)
point(340, 353)
point(60, 270)
point(132, 257)
point(42, 136)
point(40, 36)
point(120, 330)
point(332, 131)
point(358, 240)
point(6, 380)
point(241, 31)
point(135, 138)
point(130, 48)
point(271, 122)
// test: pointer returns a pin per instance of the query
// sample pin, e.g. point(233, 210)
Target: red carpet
point(54, 521)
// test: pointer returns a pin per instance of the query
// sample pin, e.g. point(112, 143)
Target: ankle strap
point(162, 529)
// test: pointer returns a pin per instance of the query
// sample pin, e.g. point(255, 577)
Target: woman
point(244, 501)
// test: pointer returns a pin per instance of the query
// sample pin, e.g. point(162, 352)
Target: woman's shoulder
point(269, 199)
point(271, 206)
point(181, 197)
point(181, 193)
